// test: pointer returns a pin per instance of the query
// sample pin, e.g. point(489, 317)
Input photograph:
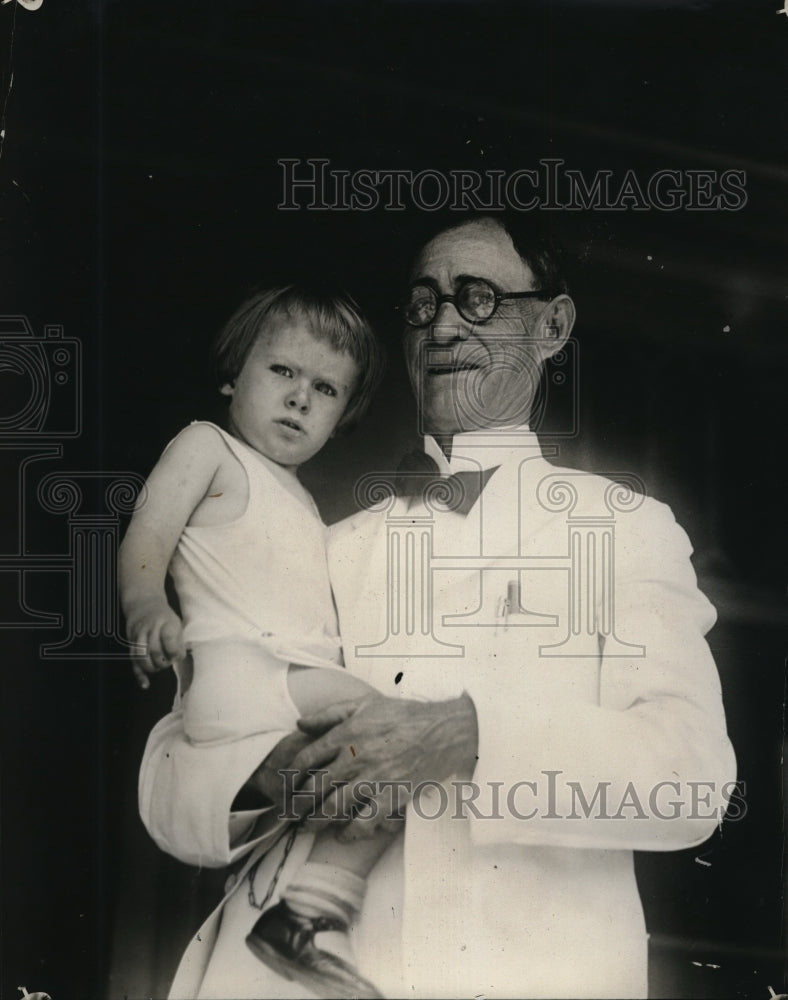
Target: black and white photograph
point(393, 588)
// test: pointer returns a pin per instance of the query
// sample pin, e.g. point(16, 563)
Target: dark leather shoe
point(285, 941)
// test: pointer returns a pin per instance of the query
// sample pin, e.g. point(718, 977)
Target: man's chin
point(443, 428)
point(449, 428)
point(445, 413)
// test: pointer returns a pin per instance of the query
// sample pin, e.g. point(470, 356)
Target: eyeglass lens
point(475, 300)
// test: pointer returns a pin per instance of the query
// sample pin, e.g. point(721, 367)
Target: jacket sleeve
point(649, 766)
point(186, 793)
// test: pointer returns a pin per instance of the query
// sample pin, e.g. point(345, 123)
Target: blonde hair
point(332, 316)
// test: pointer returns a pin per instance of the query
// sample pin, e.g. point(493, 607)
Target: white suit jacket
point(601, 731)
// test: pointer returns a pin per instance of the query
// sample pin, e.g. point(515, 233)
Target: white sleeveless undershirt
point(262, 578)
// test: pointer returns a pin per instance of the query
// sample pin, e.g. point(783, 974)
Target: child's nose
point(298, 398)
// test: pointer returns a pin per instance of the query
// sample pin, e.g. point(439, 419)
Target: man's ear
point(227, 389)
point(555, 325)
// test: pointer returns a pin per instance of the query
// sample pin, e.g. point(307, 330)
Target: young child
point(245, 545)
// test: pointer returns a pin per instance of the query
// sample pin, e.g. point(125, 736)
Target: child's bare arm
point(175, 487)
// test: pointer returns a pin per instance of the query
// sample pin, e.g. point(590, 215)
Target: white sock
point(323, 890)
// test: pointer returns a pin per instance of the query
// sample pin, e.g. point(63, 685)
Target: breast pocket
point(518, 634)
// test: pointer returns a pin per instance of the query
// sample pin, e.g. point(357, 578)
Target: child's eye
point(325, 388)
point(282, 370)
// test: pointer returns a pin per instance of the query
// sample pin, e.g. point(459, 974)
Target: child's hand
point(159, 631)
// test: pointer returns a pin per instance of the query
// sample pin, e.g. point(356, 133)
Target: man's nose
point(298, 398)
point(448, 325)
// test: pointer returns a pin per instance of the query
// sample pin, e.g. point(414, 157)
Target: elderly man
point(547, 702)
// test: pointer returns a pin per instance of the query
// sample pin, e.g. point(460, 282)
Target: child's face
point(290, 393)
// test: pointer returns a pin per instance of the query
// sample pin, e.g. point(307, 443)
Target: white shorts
point(238, 689)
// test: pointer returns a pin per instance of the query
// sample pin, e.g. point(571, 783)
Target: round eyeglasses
point(475, 300)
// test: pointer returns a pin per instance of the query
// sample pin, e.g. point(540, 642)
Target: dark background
point(138, 194)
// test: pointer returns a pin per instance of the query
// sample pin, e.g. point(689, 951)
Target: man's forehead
point(481, 248)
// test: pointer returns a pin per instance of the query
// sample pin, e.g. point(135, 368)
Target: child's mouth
point(292, 425)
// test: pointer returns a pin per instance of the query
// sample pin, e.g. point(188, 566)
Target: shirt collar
point(485, 448)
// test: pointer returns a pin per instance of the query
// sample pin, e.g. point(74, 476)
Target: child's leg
point(314, 688)
point(306, 935)
point(357, 856)
point(331, 880)
point(238, 688)
point(332, 884)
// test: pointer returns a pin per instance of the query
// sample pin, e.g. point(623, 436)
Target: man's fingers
point(308, 792)
point(318, 754)
point(327, 718)
point(331, 793)
point(336, 807)
point(369, 820)
point(365, 828)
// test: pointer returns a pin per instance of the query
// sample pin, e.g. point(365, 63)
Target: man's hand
point(267, 783)
point(382, 748)
point(156, 628)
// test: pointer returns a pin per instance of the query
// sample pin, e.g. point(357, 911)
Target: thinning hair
point(332, 316)
point(533, 241)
